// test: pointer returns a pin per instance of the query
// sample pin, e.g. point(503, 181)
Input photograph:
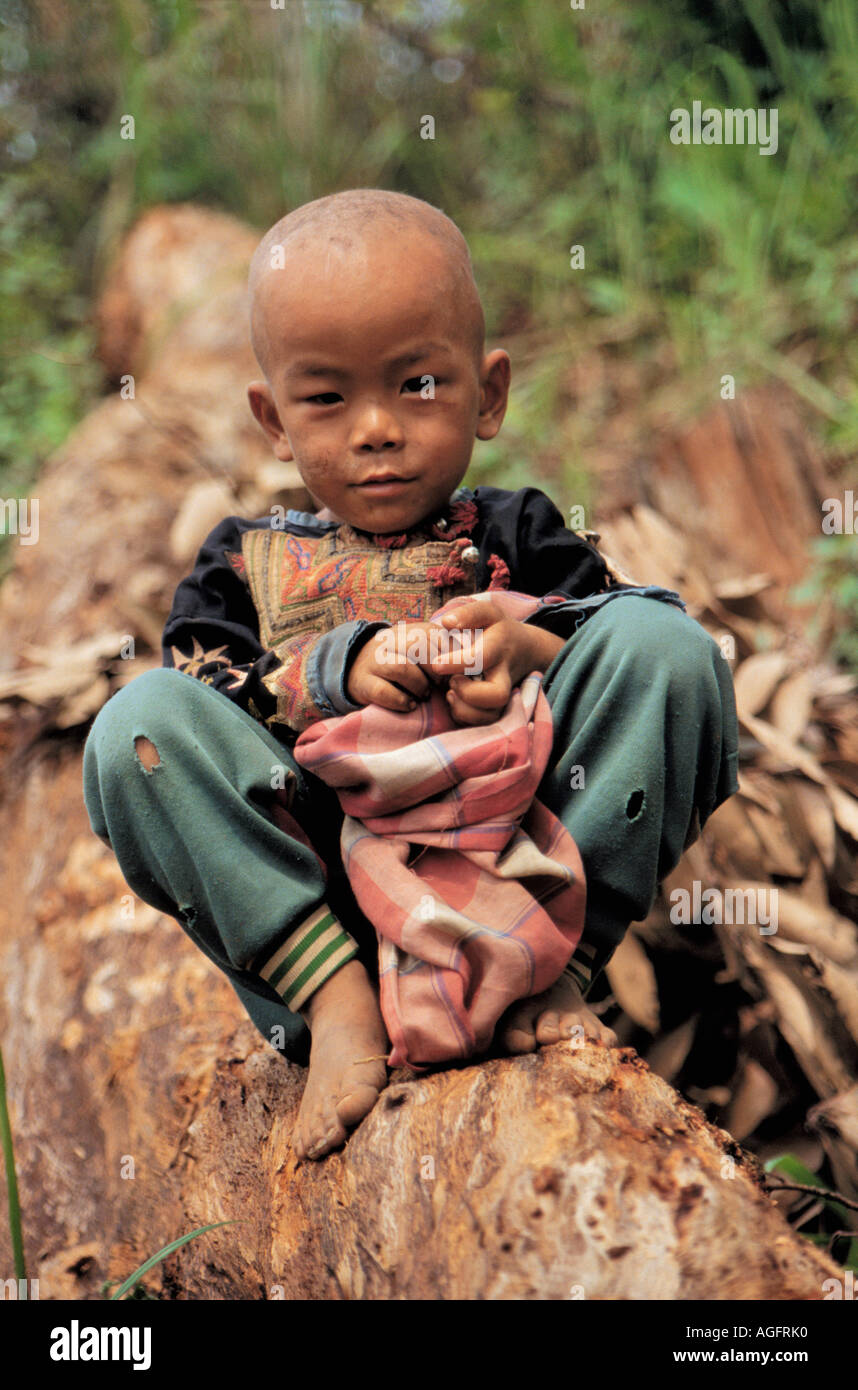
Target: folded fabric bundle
point(476, 890)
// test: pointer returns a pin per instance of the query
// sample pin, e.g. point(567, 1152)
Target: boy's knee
point(137, 717)
point(659, 639)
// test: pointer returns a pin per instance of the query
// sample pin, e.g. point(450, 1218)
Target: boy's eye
point(417, 383)
point(413, 386)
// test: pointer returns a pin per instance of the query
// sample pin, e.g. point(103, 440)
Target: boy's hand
point(509, 650)
point(375, 675)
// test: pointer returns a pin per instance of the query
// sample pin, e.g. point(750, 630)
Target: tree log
point(145, 1104)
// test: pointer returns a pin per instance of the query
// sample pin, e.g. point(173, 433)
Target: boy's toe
point(356, 1104)
point(517, 1033)
point(548, 1027)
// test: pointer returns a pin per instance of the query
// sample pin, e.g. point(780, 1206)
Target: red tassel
point(451, 572)
point(463, 517)
point(391, 542)
point(500, 573)
point(441, 575)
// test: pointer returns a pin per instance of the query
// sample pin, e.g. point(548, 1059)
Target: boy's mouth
point(384, 483)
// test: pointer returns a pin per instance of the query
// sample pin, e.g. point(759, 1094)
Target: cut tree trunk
point(143, 1101)
point(145, 1104)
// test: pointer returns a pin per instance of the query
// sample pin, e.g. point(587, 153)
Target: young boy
point(368, 327)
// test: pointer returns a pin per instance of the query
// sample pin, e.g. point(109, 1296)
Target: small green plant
point(831, 586)
point(11, 1184)
point(841, 1243)
point(124, 1290)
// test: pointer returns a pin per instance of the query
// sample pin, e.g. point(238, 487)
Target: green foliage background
point(551, 129)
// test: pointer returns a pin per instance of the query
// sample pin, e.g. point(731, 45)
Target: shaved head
point(343, 224)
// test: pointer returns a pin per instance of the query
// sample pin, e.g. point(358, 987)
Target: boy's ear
point(494, 393)
point(262, 404)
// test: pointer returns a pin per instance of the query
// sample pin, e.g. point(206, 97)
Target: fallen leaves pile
point(755, 1017)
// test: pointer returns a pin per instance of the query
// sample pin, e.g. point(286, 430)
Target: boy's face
point(352, 339)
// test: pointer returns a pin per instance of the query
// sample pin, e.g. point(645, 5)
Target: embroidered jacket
point(276, 608)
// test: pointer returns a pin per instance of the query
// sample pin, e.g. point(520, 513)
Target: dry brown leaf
point(817, 815)
point(842, 985)
point(79, 707)
point(845, 807)
point(628, 552)
point(40, 686)
point(618, 574)
point(842, 1111)
point(84, 653)
point(736, 844)
point(832, 685)
point(788, 948)
point(69, 671)
point(781, 855)
point(742, 586)
point(761, 788)
point(276, 481)
point(814, 888)
point(798, 1014)
point(754, 1097)
point(694, 865)
point(668, 1053)
point(757, 678)
point(145, 623)
point(645, 544)
point(791, 704)
point(786, 750)
point(204, 505)
point(835, 1120)
point(842, 771)
point(633, 982)
point(750, 632)
point(798, 920)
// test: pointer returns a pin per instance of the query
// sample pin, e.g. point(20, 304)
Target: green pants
point(645, 749)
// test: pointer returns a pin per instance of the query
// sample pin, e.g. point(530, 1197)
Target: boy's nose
point(376, 428)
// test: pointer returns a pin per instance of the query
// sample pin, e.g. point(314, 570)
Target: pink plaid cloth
point(476, 890)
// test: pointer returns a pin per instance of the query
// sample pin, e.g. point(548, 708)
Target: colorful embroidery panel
point(305, 586)
point(308, 583)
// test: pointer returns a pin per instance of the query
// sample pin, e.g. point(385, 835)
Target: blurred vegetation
point(551, 130)
point(831, 588)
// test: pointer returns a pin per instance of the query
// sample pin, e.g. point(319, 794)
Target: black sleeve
point(212, 632)
point(527, 530)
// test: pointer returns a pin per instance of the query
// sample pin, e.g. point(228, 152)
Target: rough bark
point(568, 1173)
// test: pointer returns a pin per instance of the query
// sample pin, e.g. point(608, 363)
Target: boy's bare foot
point(346, 1025)
point(557, 1013)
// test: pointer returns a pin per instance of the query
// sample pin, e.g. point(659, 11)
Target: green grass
point(709, 259)
point(831, 587)
point(11, 1183)
point(700, 260)
point(128, 1288)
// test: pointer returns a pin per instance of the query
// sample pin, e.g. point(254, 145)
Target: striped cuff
point(308, 957)
point(580, 966)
